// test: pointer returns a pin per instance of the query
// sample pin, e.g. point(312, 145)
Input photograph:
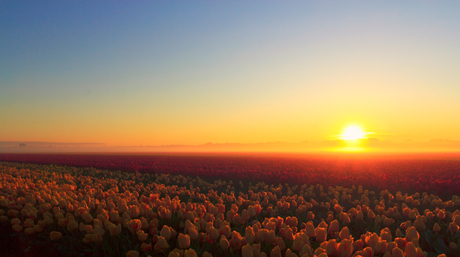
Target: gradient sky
point(191, 72)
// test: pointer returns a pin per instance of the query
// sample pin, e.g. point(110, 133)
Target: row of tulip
point(89, 211)
point(438, 175)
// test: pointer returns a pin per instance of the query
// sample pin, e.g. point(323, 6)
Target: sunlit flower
point(412, 233)
point(321, 234)
point(310, 229)
point(453, 227)
point(224, 244)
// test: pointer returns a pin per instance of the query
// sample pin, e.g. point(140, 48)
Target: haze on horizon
point(186, 73)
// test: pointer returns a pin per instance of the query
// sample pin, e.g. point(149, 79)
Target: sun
point(352, 133)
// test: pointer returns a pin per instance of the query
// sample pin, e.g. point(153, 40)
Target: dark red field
point(438, 174)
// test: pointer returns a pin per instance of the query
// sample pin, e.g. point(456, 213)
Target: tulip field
point(216, 205)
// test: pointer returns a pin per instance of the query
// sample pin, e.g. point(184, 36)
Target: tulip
point(321, 234)
point(256, 250)
point(87, 217)
point(161, 244)
point(344, 233)
point(333, 227)
point(114, 230)
point(166, 232)
point(179, 251)
point(310, 229)
point(173, 254)
point(206, 254)
point(183, 241)
point(453, 227)
point(306, 250)
point(279, 242)
point(298, 243)
point(276, 252)
point(190, 253)
point(456, 219)
point(97, 238)
point(28, 223)
point(146, 247)
point(3, 219)
point(134, 211)
point(270, 236)
point(29, 231)
point(72, 225)
point(134, 225)
point(412, 233)
point(224, 244)
point(331, 247)
point(193, 233)
point(54, 235)
point(358, 245)
point(141, 235)
point(345, 248)
point(15, 221)
point(132, 253)
point(214, 233)
point(411, 250)
point(246, 251)
point(98, 230)
point(17, 228)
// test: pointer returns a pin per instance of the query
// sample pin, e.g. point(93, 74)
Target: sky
point(123, 73)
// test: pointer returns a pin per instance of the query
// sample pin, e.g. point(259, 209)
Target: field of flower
point(439, 175)
point(231, 206)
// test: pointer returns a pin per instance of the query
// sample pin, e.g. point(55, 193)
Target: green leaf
point(439, 246)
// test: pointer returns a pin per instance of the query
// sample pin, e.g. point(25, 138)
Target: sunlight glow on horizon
point(352, 132)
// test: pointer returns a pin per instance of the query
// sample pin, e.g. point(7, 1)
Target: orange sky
point(156, 74)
